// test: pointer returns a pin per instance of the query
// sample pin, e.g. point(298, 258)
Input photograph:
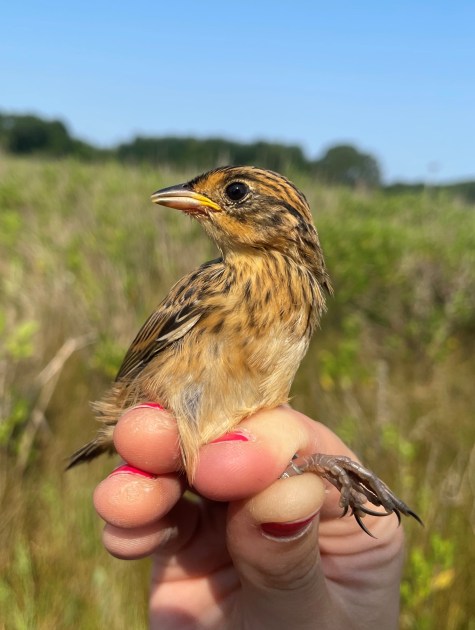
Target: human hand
point(253, 551)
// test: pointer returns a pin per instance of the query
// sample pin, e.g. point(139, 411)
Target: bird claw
point(357, 486)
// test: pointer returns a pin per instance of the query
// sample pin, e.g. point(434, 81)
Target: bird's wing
point(174, 317)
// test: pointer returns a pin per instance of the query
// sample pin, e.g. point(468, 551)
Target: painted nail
point(287, 531)
point(150, 405)
point(235, 436)
point(131, 470)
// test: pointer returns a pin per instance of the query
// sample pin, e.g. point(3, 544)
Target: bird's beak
point(182, 198)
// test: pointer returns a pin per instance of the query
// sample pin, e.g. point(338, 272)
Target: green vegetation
point(85, 257)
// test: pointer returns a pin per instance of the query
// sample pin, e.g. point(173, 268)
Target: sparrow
point(229, 337)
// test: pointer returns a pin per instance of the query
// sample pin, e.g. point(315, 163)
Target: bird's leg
point(357, 485)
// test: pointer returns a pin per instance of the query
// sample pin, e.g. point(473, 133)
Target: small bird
point(229, 337)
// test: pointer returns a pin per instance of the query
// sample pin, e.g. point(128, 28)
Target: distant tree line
point(28, 134)
point(463, 190)
point(23, 135)
point(339, 165)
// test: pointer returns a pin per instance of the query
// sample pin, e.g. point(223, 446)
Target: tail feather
point(107, 411)
point(89, 451)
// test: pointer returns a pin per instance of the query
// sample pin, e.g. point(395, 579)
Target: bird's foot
point(357, 486)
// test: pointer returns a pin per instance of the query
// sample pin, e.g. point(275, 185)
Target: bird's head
point(246, 209)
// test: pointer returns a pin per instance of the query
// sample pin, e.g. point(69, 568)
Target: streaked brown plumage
point(229, 337)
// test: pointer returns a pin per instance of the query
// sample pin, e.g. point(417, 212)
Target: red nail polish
point(131, 470)
point(286, 530)
point(235, 436)
point(150, 405)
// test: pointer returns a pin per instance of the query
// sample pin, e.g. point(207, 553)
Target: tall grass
point(85, 257)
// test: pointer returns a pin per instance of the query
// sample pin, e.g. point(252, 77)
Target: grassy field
point(85, 257)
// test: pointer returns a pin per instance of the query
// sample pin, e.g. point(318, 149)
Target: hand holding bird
point(229, 337)
point(251, 551)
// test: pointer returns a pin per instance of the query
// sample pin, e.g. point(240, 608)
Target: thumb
point(273, 541)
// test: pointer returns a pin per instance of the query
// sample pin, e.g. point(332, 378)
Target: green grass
point(85, 257)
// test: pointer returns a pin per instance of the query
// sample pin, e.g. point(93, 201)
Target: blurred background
point(369, 110)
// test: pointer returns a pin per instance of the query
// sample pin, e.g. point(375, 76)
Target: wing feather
point(179, 312)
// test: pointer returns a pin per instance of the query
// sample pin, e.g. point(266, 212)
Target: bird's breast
point(257, 334)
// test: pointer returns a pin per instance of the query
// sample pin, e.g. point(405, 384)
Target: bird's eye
point(236, 191)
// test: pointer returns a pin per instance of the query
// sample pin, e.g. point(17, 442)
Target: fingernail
point(150, 405)
point(131, 470)
point(287, 531)
point(235, 436)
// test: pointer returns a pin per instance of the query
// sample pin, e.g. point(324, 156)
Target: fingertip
point(128, 500)
point(229, 471)
point(147, 437)
point(288, 500)
point(252, 457)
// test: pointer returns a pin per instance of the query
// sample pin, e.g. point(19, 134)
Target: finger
point(273, 541)
point(248, 460)
point(253, 456)
point(132, 544)
point(285, 512)
point(229, 470)
point(131, 498)
point(147, 437)
point(169, 533)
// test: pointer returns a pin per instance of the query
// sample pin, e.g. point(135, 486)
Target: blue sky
point(395, 79)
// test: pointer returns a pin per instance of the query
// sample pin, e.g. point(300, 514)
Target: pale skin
point(214, 566)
